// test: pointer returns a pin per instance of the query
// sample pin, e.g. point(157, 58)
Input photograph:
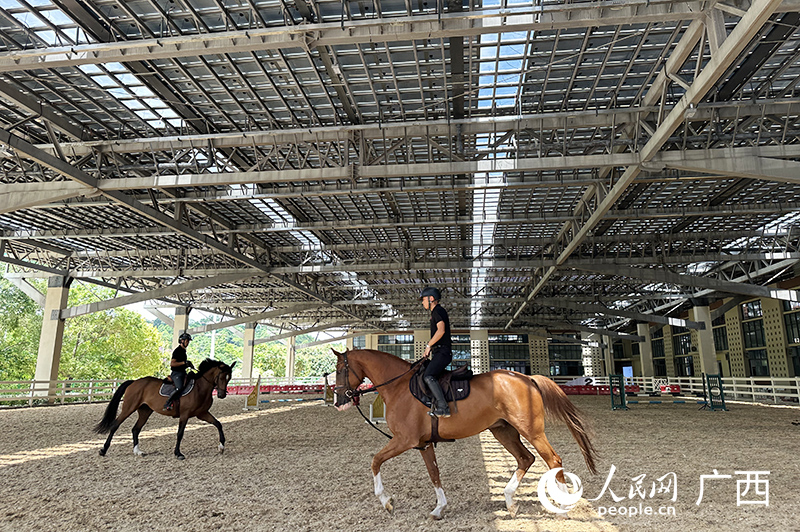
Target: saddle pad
point(167, 389)
point(454, 390)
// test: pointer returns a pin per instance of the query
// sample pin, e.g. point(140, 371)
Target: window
point(792, 322)
point(509, 351)
point(721, 338)
point(681, 344)
point(400, 345)
point(619, 350)
point(658, 348)
point(566, 367)
point(794, 360)
point(757, 362)
point(753, 334)
point(462, 351)
point(659, 367)
point(508, 338)
point(565, 352)
point(752, 310)
point(684, 366)
point(386, 339)
point(788, 306)
point(359, 342)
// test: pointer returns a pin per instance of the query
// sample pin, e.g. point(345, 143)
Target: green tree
point(20, 327)
point(116, 343)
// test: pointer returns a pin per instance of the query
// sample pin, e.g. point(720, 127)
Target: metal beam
point(659, 275)
point(17, 196)
point(731, 303)
point(749, 25)
point(563, 326)
point(188, 286)
point(725, 162)
point(337, 338)
point(26, 149)
point(28, 289)
point(390, 29)
point(302, 331)
point(601, 118)
point(600, 309)
point(252, 318)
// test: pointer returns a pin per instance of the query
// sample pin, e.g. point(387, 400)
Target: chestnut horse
point(143, 395)
point(505, 402)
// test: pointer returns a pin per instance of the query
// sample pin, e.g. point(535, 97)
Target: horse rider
point(439, 349)
point(178, 366)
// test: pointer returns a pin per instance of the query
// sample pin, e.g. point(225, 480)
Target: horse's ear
point(335, 352)
point(233, 365)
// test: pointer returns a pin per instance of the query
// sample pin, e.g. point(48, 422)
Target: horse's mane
point(388, 357)
point(208, 364)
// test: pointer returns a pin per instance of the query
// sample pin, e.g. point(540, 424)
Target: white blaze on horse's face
point(342, 408)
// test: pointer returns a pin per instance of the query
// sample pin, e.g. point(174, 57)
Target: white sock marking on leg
point(510, 489)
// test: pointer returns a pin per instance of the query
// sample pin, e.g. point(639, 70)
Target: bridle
point(214, 382)
point(354, 394)
point(349, 392)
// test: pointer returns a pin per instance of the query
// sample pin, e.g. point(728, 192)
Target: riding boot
point(440, 406)
point(171, 400)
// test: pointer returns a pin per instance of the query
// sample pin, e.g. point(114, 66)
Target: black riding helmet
point(431, 291)
point(184, 336)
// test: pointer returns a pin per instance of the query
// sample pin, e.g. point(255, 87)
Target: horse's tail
point(558, 405)
point(111, 411)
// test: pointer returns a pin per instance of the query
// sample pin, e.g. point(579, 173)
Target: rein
point(354, 394)
point(204, 376)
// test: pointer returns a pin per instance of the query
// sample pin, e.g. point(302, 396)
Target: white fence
point(775, 390)
point(30, 393)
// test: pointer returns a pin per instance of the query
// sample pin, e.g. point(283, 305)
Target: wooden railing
point(775, 390)
point(30, 393)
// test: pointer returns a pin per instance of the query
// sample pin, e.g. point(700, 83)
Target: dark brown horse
point(505, 402)
point(143, 395)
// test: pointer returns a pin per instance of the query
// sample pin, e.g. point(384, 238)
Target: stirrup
point(440, 413)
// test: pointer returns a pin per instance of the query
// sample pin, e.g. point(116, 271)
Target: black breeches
point(439, 361)
point(179, 380)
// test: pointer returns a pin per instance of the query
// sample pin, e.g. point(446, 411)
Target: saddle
point(455, 385)
point(167, 387)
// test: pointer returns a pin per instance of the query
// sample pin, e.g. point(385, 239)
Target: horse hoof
point(101, 452)
point(513, 509)
point(221, 448)
point(434, 517)
point(180, 457)
point(390, 506)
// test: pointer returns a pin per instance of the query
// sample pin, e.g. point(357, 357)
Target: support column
point(539, 355)
point(645, 349)
point(608, 355)
point(249, 348)
point(181, 324)
point(290, 358)
point(479, 349)
point(421, 339)
point(592, 356)
point(705, 341)
point(52, 335)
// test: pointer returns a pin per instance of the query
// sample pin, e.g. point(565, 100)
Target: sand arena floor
point(305, 467)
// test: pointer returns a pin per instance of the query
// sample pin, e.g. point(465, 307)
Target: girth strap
point(435, 438)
